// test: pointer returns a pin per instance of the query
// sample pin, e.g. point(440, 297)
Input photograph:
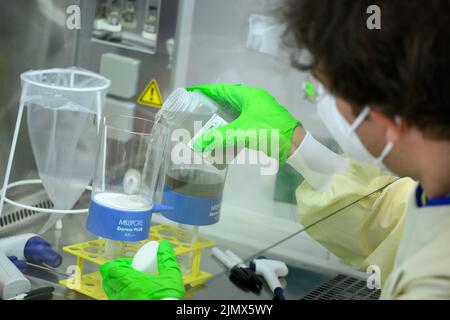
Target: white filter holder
point(62, 106)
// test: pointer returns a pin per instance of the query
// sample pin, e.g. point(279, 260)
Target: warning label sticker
point(151, 96)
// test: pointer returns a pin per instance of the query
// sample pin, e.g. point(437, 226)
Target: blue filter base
point(118, 224)
point(196, 211)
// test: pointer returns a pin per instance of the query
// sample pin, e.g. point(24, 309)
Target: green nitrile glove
point(260, 116)
point(122, 282)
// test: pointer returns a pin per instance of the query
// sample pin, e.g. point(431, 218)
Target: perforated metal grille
point(22, 220)
point(22, 214)
point(343, 288)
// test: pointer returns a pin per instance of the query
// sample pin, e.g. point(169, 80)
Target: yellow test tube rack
point(90, 284)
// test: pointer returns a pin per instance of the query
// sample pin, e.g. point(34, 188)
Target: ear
point(393, 129)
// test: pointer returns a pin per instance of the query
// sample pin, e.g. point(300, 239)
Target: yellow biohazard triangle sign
point(151, 96)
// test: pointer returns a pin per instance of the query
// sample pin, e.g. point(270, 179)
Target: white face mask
point(345, 134)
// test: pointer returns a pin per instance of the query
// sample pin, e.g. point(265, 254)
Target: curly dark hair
point(404, 67)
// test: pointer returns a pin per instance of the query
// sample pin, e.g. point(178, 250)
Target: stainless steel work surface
point(298, 283)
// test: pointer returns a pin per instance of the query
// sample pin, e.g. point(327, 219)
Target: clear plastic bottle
point(150, 29)
point(114, 15)
point(102, 10)
point(129, 14)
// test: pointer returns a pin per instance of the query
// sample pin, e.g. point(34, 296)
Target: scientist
point(391, 111)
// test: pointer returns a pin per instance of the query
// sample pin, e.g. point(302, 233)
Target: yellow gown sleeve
point(366, 232)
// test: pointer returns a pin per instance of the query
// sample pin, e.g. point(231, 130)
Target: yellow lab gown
point(385, 228)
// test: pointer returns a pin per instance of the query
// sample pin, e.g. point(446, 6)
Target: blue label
point(196, 211)
point(117, 224)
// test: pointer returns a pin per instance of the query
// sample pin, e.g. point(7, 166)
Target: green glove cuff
point(122, 282)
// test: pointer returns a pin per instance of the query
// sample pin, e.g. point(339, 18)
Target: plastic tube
point(187, 234)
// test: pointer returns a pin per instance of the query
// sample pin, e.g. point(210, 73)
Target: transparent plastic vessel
point(123, 191)
point(193, 183)
point(190, 114)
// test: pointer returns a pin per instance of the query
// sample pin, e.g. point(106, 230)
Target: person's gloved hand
point(122, 282)
point(258, 111)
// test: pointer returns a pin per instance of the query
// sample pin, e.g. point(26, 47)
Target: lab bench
point(298, 283)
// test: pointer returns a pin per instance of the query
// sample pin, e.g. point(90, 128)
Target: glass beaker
point(193, 190)
point(190, 114)
point(191, 196)
point(129, 160)
point(193, 183)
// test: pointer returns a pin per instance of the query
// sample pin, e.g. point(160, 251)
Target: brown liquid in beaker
point(193, 182)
